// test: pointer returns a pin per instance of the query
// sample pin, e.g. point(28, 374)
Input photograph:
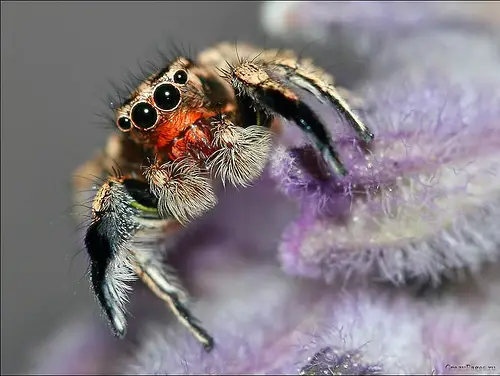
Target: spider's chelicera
point(188, 124)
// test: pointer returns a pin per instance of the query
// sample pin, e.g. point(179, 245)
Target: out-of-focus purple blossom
point(321, 19)
point(421, 202)
point(391, 36)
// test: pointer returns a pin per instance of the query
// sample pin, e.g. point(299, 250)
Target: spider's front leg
point(122, 243)
point(260, 83)
point(122, 238)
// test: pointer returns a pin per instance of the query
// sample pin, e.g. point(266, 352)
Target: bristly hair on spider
point(182, 126)
point(122, 87)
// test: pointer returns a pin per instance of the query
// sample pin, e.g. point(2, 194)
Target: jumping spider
point(188, 123)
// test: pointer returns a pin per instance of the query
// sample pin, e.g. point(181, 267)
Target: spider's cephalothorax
point(182, 127)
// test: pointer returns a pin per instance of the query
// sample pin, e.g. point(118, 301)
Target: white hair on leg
point(242, 153)
point(182, 189)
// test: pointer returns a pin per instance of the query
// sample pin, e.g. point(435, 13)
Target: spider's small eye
point(144, 115)
point(167, 97)
point(180, 77)
point(124, 123)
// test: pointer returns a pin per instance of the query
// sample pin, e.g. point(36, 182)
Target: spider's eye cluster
point(166, 97)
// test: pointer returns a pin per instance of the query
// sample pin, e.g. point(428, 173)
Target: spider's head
point(163, 107)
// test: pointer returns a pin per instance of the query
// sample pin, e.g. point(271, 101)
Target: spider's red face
point(167, 110)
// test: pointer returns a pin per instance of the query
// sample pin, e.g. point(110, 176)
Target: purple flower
point(421, 202)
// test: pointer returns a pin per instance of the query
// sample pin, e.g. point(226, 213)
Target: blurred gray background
point(57, 59)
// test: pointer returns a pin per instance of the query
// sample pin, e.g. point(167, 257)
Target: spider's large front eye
point(124, 123)
point(180, 77)
point(167, 97)
point(144, 115)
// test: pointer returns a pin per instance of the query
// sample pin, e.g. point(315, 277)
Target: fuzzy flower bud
point(421, 202)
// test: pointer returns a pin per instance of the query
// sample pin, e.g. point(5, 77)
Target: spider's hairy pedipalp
point(182, 189)
point(241, 154)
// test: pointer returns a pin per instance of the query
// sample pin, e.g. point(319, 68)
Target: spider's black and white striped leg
point(116, 216)
point(311, 78)
point(275, 98)
point(260, 82)
point(122, 245)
